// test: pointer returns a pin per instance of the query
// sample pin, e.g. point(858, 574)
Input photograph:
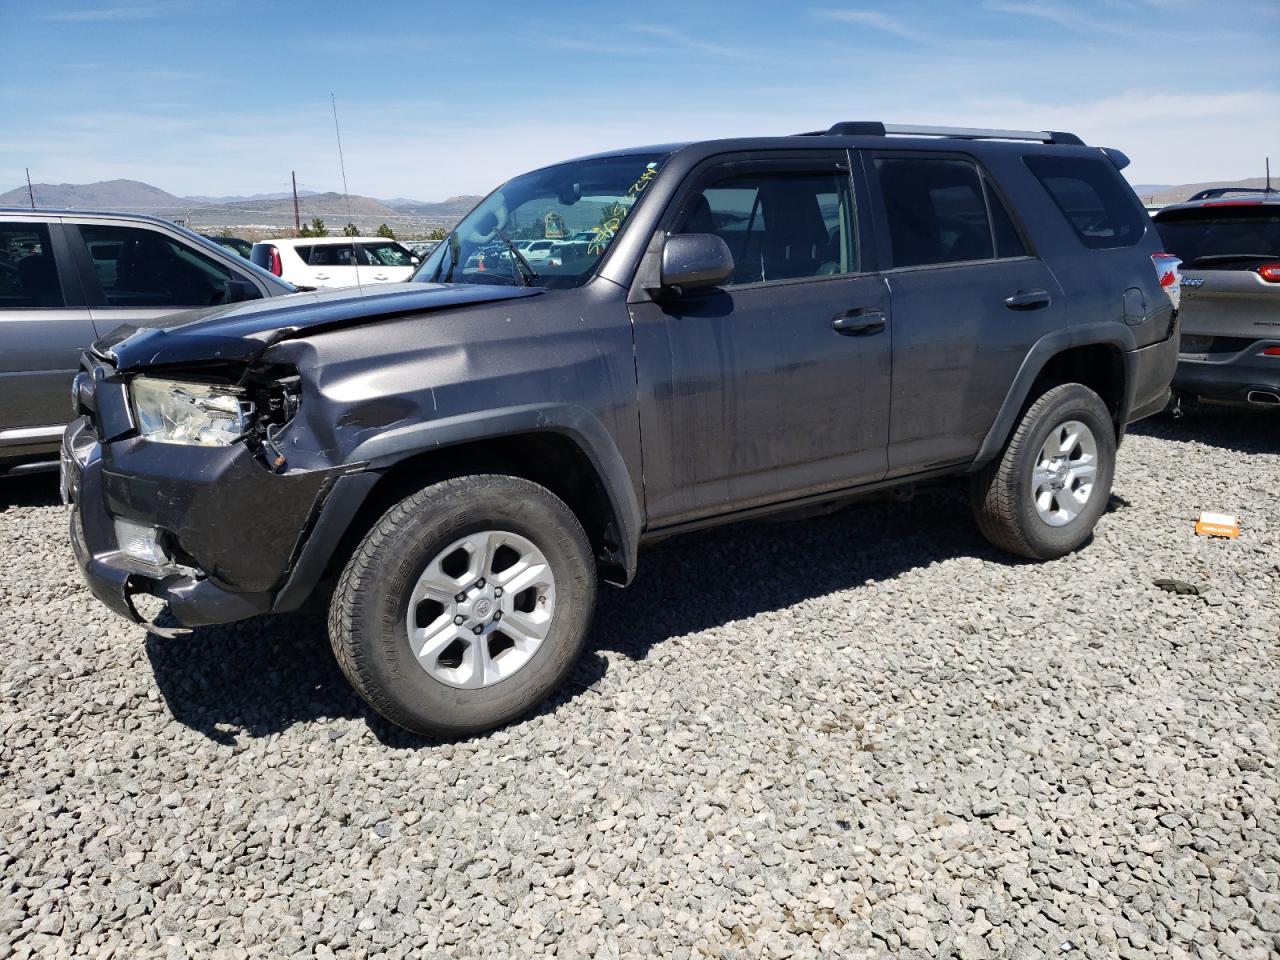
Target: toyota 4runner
point(750, 326)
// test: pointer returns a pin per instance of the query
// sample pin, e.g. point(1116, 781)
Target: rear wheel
point(465, 605)
point(1042, 497)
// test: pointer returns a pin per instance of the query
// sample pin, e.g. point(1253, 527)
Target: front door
point(135, 275)
point(775, 386)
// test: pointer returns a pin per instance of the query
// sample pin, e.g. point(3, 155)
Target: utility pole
point(32, 194)
point(297, 217)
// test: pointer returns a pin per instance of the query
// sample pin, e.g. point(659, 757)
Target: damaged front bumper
point(238, 539)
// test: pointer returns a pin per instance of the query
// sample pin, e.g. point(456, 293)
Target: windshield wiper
point(526, 273)
point(454, 244)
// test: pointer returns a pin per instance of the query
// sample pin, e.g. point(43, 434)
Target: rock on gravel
point(861, 735)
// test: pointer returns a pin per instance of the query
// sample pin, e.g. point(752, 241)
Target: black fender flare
point(577, 424)
point(1054, 342)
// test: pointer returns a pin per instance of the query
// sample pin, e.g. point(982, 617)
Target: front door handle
point(320, 276)
point(1028, 300)
point(859, 323)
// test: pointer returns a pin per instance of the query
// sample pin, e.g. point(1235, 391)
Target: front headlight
point(203, 414)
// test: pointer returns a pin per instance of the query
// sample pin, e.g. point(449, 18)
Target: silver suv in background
point(1229, 243)
point(67, 278)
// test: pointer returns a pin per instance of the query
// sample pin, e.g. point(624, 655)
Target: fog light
point(140, 542)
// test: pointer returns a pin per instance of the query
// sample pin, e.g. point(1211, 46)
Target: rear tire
point(1043, 495)
point(435, 566)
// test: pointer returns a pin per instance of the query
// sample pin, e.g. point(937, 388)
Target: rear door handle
point(859, 323)
point(1028, 300)
point(320, 276)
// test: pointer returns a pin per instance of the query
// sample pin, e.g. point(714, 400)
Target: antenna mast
point(1269, 190)
point(297, 217)
point(346, 195)
point(32, 194)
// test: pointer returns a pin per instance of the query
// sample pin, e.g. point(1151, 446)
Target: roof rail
point(1224, 191)
point(874, 128)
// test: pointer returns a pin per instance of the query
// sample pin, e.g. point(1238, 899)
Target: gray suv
point(1229, 244)
point(69, 277)
point(754, 326)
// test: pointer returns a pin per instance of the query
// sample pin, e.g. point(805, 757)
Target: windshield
point(1224, 238)
point(587, 197)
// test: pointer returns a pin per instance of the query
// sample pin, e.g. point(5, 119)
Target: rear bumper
point(1150, 370)
point(1232, 378)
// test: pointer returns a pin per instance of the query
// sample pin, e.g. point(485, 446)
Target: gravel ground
point(860, 735)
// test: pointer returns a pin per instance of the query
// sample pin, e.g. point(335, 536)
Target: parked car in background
point(420, 248)
point(236, 245)
point(1229, 243)
point(536, 250)
point(324, 262)
point(69, 277)
point(766, 325)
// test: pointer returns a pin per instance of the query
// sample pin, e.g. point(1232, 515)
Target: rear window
point(1235, 237)
point(1098, 204)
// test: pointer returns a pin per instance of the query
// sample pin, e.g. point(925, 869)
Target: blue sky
point(226, 97)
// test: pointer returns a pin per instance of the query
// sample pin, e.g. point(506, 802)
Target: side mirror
point(695, 261)
point(237, 291)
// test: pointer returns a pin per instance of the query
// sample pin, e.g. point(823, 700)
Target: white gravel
point(860, 735)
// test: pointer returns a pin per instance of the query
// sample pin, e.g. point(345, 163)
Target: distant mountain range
point(265, 210)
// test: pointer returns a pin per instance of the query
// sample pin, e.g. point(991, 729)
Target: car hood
point(244, 331)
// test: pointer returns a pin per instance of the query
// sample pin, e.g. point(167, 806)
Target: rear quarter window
point(1099, 205)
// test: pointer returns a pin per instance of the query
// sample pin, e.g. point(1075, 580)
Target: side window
point(779, 225)
point(28, 274)
point(936, 210)
point(144, 268)
point(1098, 204)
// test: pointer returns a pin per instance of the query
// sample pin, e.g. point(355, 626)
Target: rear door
point(969, 299)
point(44, 325)
point(1229, 248)
point(775, 386)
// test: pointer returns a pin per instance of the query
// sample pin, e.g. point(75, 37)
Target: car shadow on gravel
point(1240, 429)
point(262, 676)
point(32, 490)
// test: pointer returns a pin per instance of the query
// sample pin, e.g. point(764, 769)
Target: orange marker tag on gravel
point(1217, 525)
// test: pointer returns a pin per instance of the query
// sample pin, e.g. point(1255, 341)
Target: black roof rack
point(874, 128)
point(1224, 191)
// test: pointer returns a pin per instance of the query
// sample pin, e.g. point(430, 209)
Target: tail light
point(276, 266)
point(1166, 266)
point(1270, 352)
point(1270, 272)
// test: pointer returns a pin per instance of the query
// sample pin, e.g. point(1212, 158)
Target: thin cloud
point(133, 11)
point(873, 19)
point(674, 37)
point(1064, 16)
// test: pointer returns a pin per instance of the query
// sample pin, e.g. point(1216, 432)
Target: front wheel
point(1042, 497)
point(465, 606)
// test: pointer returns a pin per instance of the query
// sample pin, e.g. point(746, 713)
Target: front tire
point(465, 606)
point(1042, 497)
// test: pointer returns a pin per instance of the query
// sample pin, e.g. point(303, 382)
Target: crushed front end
point(179, 488)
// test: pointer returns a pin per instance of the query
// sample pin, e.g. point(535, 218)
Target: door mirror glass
point(693, 261)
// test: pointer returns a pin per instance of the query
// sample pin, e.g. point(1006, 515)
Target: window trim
point(986, 181)
point(819, 162)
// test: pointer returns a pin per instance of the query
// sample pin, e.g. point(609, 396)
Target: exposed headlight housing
point(198, 414)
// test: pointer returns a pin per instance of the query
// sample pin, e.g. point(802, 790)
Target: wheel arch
point(1098, 356)
point(563, 448)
